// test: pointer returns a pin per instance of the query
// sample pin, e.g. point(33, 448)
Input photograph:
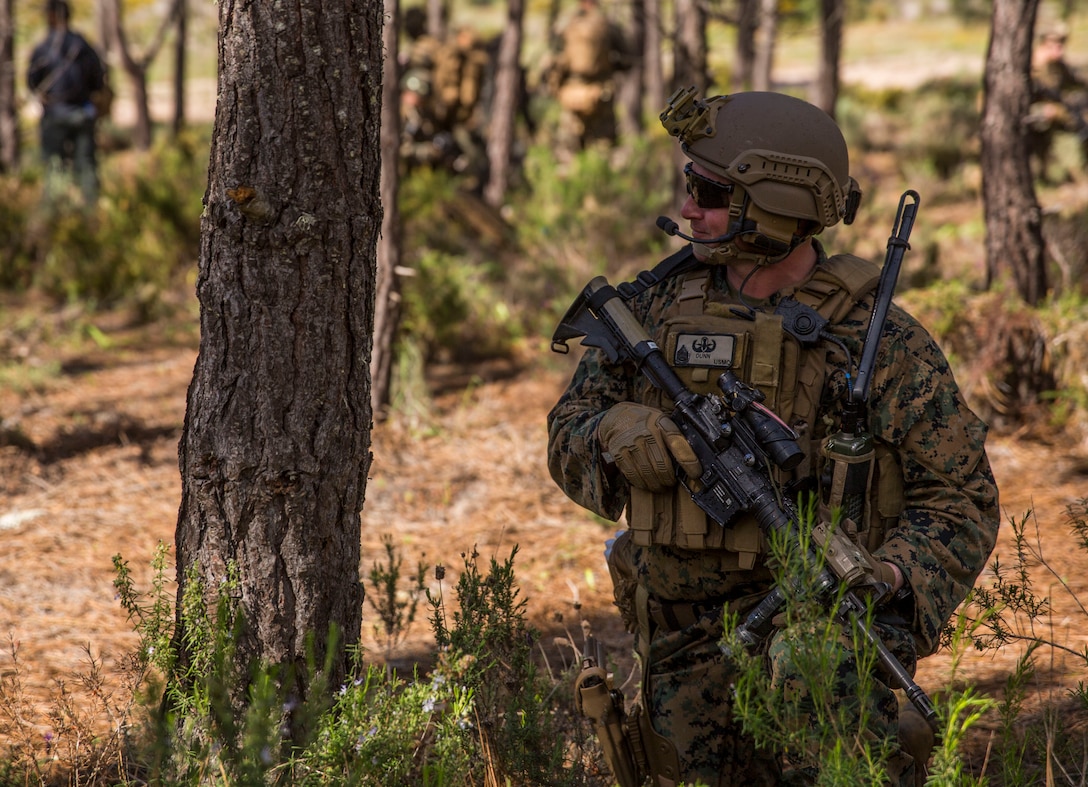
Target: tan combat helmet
point(786, 157)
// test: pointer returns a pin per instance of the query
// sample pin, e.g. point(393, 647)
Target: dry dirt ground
point(88, 470)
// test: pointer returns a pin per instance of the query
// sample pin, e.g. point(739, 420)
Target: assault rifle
point(737, 441)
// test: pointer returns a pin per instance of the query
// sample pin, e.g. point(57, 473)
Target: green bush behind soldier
point(69, 79)
point(1059, 99)
point(592, 50)
point(767, 173)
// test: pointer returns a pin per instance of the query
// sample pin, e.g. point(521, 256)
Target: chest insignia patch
point(704, 349)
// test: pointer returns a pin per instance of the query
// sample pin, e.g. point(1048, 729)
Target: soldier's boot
point(916, 738)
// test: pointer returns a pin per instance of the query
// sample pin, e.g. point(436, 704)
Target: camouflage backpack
point(585, 46)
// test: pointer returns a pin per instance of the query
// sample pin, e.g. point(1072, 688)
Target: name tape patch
point(704, 349)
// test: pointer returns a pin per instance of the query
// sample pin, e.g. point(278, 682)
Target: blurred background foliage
point(484, 284)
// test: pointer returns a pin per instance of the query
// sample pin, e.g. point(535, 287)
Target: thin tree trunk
point(652, 66)
point(9, 114)
point(105, 35)
point(690, 46)
point(825, 91)
point(766, 39)
point(629, 83)
point(181, 43)
point(1014, 241)
point(275, 447)
point(744, 61)
point(438, 16)
point(504, 106)
point(387, 296)
point(136, 67)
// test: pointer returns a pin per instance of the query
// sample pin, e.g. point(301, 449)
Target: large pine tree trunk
point(275, 447)
point(1014, 239)
point(504, 107)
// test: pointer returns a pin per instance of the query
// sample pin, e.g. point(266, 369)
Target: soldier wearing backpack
point(592, 50)
point(462, 69)
point(68, 77)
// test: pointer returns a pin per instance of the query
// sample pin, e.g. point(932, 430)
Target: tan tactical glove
point(642, 442)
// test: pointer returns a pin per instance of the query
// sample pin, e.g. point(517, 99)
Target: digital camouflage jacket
point(949, 518)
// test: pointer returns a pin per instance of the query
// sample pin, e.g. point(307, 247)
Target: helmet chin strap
point(725, 253)
point(760, 248)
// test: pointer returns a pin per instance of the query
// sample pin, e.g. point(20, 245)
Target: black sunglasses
point(708, 194)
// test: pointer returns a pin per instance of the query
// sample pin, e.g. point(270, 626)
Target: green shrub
point(130, 248)
point(486, 711)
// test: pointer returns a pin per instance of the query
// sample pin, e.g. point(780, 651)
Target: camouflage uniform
point(424, 139)
point(941, 534)
point(461, 71)
point(582, 77)
point(66, 74)
point(1059, 104)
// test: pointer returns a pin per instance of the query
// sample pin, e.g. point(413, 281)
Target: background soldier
point(591, 51)
point(67, 76)
point(767, 172)
point(1059, 100)
point(421, 143)
point(462, 68)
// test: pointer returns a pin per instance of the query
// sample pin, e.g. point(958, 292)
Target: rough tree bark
point(504, 106)
point(275, 447)
point(1014, 240)
point(825, 90)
